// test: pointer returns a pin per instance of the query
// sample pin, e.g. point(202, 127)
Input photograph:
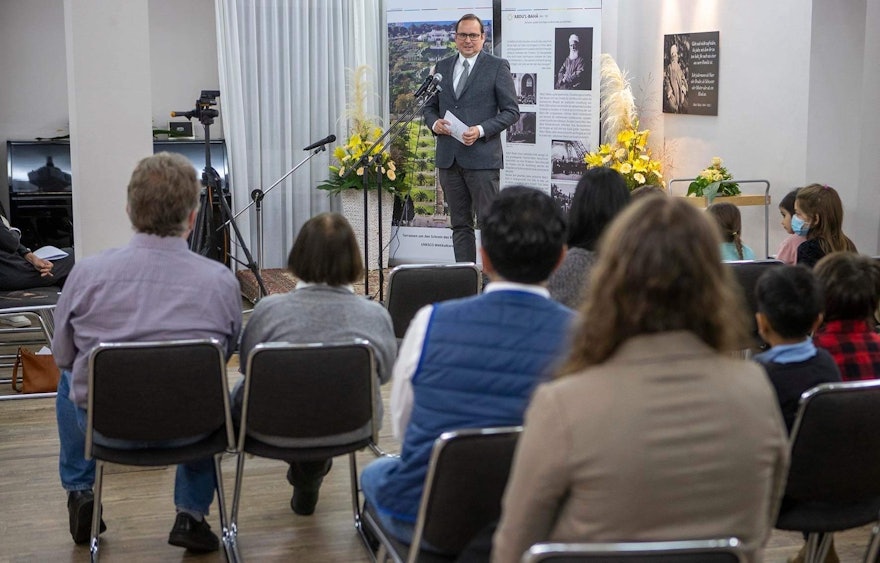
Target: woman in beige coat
point(652, 430)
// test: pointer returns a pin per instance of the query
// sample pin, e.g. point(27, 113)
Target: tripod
point(207, 238)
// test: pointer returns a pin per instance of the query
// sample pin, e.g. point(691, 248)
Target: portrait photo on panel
point(676, 73)
point(573, 49)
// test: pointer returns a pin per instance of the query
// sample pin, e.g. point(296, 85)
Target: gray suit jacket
point(488, 99)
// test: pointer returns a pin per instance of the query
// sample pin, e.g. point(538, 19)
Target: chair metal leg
point(356, 507)
point(96, 510)
point(232, 537)
point(379, 452)
point(227, 539)
point(871, 555)
point(818, 545)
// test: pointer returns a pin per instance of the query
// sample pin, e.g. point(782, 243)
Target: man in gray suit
point(478, 89)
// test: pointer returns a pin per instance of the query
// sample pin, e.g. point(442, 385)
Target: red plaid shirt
point(855, 347)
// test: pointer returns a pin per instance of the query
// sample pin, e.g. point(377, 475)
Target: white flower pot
point(353, 209)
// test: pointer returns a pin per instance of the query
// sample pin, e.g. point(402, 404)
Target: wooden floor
point(139, 509)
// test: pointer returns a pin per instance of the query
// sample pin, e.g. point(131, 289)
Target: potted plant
point(626, 147)
point(714, 181)
point(348, 170)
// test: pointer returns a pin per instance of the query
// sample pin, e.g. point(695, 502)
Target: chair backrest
point(310, 391)
point(412, 286)
point(693, 551)
point(157, 391)
point(835, 444)
point(747, 273)
point(466, 478)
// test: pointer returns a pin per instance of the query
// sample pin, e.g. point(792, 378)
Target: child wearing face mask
point(819, 218)
point(787, 252)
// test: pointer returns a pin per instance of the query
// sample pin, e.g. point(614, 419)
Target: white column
point(108, 84)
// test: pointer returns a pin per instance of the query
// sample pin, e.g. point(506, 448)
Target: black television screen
point(38, 167)
point(44, 166)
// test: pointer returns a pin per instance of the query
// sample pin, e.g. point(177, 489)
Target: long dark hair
point(659, 269)
point(600, 195)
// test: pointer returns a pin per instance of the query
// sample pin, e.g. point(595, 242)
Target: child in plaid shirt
point(851, 283)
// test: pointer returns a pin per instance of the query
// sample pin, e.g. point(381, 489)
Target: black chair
point(38, 306)
point(834, 477)
point(318, 399)
point(692, 551)
point(156, 392)
point(747, 273)
point(412, 286)
point(463, 488)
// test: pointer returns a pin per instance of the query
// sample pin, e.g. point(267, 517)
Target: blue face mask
point(799, 227)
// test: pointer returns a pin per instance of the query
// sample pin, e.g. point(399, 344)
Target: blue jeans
point(194, 483)
point(370, 478)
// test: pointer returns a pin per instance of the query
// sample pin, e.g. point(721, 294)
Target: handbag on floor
point(39, 373)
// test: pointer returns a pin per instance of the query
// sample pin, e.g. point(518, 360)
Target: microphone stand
point(257, 196)
point(392, 132)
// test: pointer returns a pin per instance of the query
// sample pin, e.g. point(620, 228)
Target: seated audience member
point(323, 308)
point(651, 430)
point(22, 269)
point(645, 191)
point(473, 362)
point(787, 252)
point(600, 195)
point(729, 221)
point(819, 218)
point(851, 283)
point(790, 304)
point(153, 289)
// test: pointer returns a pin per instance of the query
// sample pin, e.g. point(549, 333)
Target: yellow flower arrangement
point(630, 156)
point(714, 181)
point(348, 172)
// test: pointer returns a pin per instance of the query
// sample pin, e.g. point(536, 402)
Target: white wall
point(798, 98)
point(798, 81)
point(33, 87)
point(33, 75)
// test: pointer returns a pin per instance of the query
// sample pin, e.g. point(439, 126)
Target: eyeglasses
point(471, 36)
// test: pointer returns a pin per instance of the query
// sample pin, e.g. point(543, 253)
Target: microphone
point(432, 80)
point(321, 143)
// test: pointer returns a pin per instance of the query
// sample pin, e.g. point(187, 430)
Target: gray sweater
point(321, 313)
point(569, 282)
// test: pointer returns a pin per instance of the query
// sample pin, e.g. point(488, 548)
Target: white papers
point(456, 126)
point(44, 351)
point(50, 253)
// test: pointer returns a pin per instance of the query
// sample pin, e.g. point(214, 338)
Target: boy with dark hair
point(474, 362)
point(789, 309)
point(851, 283)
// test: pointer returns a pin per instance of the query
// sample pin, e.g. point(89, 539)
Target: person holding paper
point(477, 89)
point(20, 268)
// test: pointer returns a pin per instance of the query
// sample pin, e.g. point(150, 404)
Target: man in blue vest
point(474, 362)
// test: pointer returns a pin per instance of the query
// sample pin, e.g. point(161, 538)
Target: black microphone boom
point(321, 143)
point(432, 80)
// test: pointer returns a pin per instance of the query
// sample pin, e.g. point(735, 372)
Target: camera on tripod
point(204, 110)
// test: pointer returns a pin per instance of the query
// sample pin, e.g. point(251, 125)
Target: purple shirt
point(153, 289)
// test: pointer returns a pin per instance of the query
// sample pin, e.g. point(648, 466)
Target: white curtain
point(283, 70)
